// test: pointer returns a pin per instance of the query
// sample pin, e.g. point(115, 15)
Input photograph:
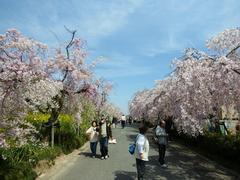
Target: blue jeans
point(93, 147)
point(103, 146)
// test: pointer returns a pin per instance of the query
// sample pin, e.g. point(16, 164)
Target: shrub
point(37, 119)
point(66, 135)
point(22, 170)
point(18, 162)
point(215, 144)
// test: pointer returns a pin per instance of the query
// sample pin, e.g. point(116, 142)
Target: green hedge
point(226, 146)
point(215, 145)
point(18, 162)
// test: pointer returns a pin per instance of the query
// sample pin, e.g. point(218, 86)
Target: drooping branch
point(233, 50)
point(71, 41)
point(83, 90)
point(236, 71)
point(67, 50)
point(7, 54)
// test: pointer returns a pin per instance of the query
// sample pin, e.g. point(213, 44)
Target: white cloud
point(186, 23)
point(105, 18)
point(119, 66)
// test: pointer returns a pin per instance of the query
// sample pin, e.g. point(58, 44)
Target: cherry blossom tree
point(32, 78)
point(21, 67)
point(198, 86)
point(112, 110)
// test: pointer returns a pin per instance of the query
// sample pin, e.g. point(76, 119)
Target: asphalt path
point(182, 163)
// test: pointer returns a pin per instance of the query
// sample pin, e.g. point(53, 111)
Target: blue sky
point(138, 38)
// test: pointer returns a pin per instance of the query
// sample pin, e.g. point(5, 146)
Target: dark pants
point(123, 124)
point(103, 146)
point(161, 150)
point(93, 147)
point(140, 168)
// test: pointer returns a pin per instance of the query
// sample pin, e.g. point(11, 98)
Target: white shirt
point(142, 146)
point(123, 118)
point(93, 134)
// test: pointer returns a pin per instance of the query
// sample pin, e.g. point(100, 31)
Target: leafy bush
point(215, 144)
point(23, 170)
point(18, 162)
point(226, 146)
point(37, 119)
point(67, 135)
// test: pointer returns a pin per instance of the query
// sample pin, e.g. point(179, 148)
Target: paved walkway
point(183, 164)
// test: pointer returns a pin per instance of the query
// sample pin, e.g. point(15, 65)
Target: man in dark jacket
point(103, 138)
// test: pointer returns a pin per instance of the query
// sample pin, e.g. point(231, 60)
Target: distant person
point(111, 140)
point(162, 142)
point(168, 128)
point(123, 121)
point(114, 122)
point(130, 120)
point(92, 131)
point(109, 131)
point(103, 138)
point(141, 152)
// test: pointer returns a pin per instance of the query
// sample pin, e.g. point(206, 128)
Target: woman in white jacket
point(93, 138)
point(141, 152)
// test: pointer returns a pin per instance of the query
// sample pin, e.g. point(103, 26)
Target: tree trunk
point(52, 135)
point(54, 116)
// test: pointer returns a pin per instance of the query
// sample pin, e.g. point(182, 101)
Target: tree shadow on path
point(184, 164)
point(88, 154)
point(124, 175)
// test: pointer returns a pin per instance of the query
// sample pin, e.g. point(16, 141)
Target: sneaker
point(106, 156)
point(164, 166)
point(102, 158)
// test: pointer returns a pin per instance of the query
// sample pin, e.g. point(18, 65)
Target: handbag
point(131, 148)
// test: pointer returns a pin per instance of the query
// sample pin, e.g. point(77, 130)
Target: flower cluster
point(225, 41)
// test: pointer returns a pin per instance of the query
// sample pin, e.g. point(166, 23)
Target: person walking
point(93, 136)
point(168, 127)
point(103, 138)
point(162, 142)
point(123, 121)
point(141, 152)
point(130, 120)
point(114, 122)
